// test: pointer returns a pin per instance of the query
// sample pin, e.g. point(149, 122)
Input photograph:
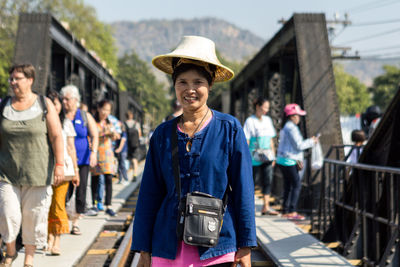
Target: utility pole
point(332, 25)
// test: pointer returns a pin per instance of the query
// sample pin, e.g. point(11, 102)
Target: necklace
point(189, 142)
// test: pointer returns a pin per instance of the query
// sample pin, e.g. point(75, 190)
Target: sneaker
point(91, 212)
point(111, 212)
point(124, 182)
point(100, 206)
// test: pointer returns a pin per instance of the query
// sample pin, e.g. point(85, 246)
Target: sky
point(374, 29)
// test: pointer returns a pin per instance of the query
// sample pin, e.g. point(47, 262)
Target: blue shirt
point(81, 139)
point(291, 144)
point(219, 155)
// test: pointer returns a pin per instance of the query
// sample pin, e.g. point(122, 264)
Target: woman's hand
point(243, 257)
point(76, 180)
point(144, 260)
point(58, 175)
point(93, 159)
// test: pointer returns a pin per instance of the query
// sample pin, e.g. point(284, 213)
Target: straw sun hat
point(195, 48)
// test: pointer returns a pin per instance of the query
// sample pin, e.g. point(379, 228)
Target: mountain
point(149, 38)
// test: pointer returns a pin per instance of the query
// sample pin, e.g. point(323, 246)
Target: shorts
point(133, 153)
point(27, 206)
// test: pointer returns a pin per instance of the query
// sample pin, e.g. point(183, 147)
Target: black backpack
point(133, 136)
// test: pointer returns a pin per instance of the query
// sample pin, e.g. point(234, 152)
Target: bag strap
point(43, 104)
point(175, 157)
point(175, 164)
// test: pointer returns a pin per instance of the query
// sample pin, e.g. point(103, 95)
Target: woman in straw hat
point(213, 154)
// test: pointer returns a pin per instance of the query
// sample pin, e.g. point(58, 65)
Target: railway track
point(112, 246)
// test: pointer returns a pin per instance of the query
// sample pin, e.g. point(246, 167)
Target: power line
point(380, 49)
point(373, 36)
point(373, 5)
point(375, 22)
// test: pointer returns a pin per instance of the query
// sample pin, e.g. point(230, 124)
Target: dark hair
point(187, 66)
point(259, 102)
point(27, 69)
point(53, 95)
point(358, 136)
point(101, 104)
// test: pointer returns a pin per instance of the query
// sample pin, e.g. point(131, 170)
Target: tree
point(353, 96)
point(218, 88)
point(81, 18)
point(137, 77)
point(385, 86)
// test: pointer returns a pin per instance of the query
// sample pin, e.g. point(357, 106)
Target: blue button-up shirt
point(291, 143)
point(219, 155)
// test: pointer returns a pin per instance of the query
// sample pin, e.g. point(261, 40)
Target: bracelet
point(59, 164)
point(76, 169)
point(95, 151)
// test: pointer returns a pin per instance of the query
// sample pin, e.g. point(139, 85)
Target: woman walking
point(31, 160)
point(260, 133)
point(105, 155)
point(58, 218)
point(86, 129)
point(290, 159)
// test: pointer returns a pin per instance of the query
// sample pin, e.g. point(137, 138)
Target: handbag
point(317, 158)
point(262, 155)
point(200, 215)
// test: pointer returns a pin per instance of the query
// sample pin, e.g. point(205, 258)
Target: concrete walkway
point(288, 245)
point(74, 247)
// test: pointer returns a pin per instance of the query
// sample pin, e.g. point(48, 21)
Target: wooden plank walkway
point(288, 245)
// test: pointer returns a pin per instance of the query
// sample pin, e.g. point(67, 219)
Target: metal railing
point(359, 207)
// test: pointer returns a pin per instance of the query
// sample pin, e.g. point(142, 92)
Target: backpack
point(42, 102)
point(133, 136)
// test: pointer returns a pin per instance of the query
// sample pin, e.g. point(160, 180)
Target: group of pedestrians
point(49, 147)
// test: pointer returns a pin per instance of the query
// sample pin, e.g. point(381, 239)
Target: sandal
point(4, 264)
point(75, 230)
point(55, 251)
point(270, 212)
point(28, 265)
point(297, 217)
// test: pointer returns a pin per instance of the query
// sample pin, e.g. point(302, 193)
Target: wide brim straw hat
point(194, 48)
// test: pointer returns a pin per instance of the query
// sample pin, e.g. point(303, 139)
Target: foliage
point(81, 18)
point(138, 79)
point(353, 96)
point(218, 88)
point(385, 86)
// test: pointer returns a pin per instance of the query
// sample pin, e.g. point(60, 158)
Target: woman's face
point(263, 109)
point(70, 103)
point(104, 111)
point(191, 90)
point(57, 105)
point(295, 119)
point(19, 83)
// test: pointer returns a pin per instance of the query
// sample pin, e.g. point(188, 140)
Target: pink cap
point(294, 109)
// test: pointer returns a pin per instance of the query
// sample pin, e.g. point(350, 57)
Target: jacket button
point(190, 238)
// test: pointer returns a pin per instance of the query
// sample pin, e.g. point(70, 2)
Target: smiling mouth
point(187, 98)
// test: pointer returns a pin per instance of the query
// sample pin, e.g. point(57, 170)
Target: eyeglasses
point(15, 79)
point(68, 99)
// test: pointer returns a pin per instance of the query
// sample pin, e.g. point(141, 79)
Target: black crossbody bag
point(200, 215)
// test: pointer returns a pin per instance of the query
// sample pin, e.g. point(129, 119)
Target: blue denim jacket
point(291, 142)
point(219, 155)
